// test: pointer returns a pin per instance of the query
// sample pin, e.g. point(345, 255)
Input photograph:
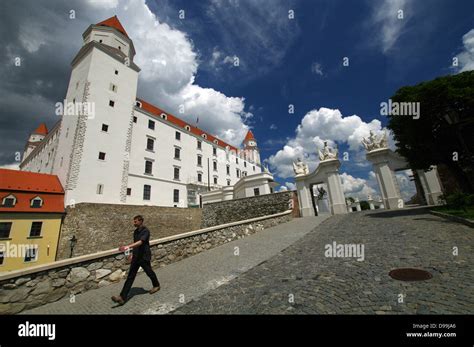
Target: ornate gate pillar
point(328, 173)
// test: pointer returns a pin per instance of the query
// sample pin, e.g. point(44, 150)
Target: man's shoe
point(154, 289)
point(118, 299)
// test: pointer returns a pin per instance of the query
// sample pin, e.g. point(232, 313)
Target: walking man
point(141, 257)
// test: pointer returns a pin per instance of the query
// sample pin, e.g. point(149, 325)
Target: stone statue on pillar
point(300, 168)
point(327, 153)
point(374, 142)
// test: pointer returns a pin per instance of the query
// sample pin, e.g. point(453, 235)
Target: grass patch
point(469, 213)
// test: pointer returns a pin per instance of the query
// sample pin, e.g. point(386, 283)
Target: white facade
point(112, 154)
point(248, 186)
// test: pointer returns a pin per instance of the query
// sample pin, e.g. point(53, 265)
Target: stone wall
point(239, 209)
point(34, 287)
point(99, 227)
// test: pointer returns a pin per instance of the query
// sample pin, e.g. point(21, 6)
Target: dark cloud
point(44, 37)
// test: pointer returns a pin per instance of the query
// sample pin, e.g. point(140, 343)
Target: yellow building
point(31, 214)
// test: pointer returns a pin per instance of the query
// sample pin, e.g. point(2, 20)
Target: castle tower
point(35, 138)
point(94, 140)
point(250, 148)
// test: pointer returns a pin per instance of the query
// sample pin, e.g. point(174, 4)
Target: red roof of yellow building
point(25, 186)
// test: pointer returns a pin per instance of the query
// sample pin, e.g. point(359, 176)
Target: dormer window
point(36, 202)
point(164, 116)
point(204, 136)
point(187, 127)
point(138, 104)
point(120, 48)
point(9, 201)
point(216, 141)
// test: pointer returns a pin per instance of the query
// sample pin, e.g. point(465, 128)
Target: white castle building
point(117, 148)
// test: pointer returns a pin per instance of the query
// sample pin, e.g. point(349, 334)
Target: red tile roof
point(113, 22)
point(41, 129)
point(249, 136)
point(29, 181)
point(26, 185)
point(180, 123)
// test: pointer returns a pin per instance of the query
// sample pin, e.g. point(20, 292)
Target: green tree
point(439, 135)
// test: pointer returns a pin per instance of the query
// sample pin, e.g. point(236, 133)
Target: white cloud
point(357, 187)
point(273, 127)
point(316, 68)
point(316, 127)
point(385, 17)
point(466, 57)
point(407, 187)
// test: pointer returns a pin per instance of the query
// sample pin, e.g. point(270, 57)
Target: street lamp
point(72, 243)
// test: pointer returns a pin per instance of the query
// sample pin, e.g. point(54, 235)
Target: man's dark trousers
point(132, 273)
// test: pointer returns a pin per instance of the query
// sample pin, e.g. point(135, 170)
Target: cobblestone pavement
point(301, 280)
point(189, 278)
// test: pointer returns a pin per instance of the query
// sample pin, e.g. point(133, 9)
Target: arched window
point(9, 201)
point(36, 202)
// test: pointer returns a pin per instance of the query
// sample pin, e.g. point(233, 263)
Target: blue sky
point(282, 61)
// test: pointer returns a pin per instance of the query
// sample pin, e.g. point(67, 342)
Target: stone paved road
point(301, 280)
point(189, 278)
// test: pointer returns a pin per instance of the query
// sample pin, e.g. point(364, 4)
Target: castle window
point(100, 41)
point(111, 103)
point(254, 168)
point(256, 191)
point(100, 189)
point(164, 116)
point(204, 136)
point(176, 173)
point(138, 104)
point(216, 141)
point(77, 84)
point(36, 202)
point(120, 48)
point(134, 119)
point(129, 191)
point(214, 151)
point(199, 177)
point(176, 195)
point(188, 128)
point(35, 230)
point(214, 165)
point(116, 72)
point(105, 127)
point(199, 144)
point(5, 228)
point(228, 169)
point(150, 144)
point(236, 160)
point(146, 192)
point(237, 171)
point(228, 182)
point(2, 257)
point(148, 167)
point(101, 156)
point(9, 201)
point(245, 164)
point(151, 125)
point(113, 87)
point(177, 135)
point(199, 160)
point(215, 180)
point(177, 153)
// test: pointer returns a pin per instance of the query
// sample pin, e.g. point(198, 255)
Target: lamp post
point(72, 243)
